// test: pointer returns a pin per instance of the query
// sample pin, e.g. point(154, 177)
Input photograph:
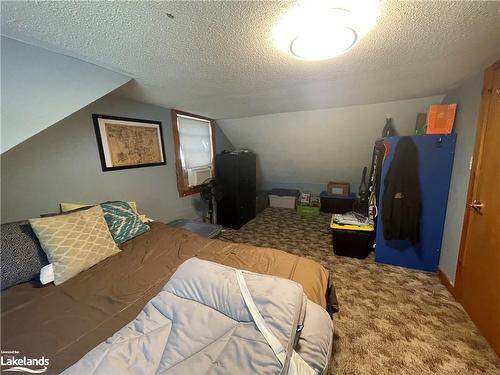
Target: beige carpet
point(392, 320)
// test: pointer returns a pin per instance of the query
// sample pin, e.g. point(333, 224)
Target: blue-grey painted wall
point(40, 87)
point(306, 149)
point(468, 99)
point(61, 164)
point(221, 141)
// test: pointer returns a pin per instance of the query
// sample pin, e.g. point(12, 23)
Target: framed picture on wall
point(128, 142)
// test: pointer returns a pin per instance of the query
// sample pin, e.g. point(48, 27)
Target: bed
point(65, 322)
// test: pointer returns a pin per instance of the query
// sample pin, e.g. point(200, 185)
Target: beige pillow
point(74, 242)
point(65, 207)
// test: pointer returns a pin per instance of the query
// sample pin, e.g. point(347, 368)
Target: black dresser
point(236, 181)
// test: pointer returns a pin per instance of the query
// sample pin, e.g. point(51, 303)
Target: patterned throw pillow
point(124, 224)
point(74, 242)
point(21, 256)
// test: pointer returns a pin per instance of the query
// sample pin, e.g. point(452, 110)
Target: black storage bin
point(336, 204)
point(352, 243)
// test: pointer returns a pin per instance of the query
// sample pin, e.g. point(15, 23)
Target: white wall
point(468, 98)
point(39, 88)
point(307, 149)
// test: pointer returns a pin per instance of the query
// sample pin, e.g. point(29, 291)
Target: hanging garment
point(401, 204)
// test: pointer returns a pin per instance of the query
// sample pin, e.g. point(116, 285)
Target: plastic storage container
point(307, 210)
point(200, 228)
point(283, 198)
point(336, 204)
point(351, 241)
point(282, 202)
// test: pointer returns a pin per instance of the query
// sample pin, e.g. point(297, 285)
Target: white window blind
point(195, 141)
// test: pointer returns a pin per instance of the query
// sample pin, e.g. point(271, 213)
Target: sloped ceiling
point(40, 88)
point(217, 59)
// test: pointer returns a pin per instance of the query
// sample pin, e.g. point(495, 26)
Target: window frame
point(182, 186)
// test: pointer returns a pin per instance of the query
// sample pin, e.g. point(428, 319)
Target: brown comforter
point(65, 322)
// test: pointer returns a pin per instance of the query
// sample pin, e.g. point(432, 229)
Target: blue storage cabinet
point(436, 153)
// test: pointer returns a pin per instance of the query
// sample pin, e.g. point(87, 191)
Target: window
point(194, 151)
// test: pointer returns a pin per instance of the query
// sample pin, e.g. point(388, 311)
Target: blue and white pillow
point(124, 224)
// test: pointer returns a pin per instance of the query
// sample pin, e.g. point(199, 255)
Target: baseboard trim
point(446, 282)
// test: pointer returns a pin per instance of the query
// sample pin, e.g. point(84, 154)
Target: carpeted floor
point(392, 320)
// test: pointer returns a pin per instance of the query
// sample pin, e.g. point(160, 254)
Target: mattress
point(65, 322)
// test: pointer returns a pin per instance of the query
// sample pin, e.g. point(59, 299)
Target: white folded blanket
point(200, 323)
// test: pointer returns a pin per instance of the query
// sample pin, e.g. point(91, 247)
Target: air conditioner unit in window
point(197, 176)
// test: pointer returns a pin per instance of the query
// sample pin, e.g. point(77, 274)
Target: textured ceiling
point(216, 58)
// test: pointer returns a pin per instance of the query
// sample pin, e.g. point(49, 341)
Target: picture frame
point(339, 188)
point(126, 143)
point(305, 197)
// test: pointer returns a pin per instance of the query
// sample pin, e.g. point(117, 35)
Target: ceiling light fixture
point(319, 30)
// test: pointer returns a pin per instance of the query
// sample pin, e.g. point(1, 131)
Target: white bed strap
point(297, 365)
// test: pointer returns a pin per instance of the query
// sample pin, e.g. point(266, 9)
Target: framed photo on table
point(339, 188)
point(128, 142)
point(305, 197)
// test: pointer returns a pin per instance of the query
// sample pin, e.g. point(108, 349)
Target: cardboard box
point(441, 118)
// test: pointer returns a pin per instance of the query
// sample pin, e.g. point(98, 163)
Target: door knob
point(476, 205)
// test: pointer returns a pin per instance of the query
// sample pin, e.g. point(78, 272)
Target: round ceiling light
point(320, 30)
point(324, 40)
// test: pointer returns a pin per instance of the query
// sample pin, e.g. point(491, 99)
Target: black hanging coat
point(401, 202)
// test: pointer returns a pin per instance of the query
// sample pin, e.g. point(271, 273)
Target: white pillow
point(47, 274)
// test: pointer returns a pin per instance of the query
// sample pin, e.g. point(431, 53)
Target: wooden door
point(478, 281)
